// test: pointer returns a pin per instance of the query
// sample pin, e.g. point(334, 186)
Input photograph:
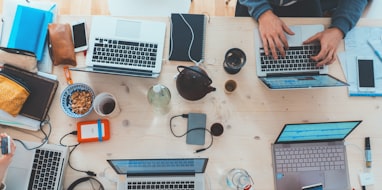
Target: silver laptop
point(296, 70)
point(312, 153)
point(125, 47)
point(40, 168)
point(169, 173)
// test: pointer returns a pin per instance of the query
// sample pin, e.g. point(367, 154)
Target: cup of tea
point(105, 105)
point(230, 86)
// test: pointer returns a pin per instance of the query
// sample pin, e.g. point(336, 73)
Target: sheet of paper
point(356, 45)
point(19, 121)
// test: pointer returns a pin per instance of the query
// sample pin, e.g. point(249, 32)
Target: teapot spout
point(210, 89)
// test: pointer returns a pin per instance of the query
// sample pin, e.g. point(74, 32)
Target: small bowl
point(66, 103)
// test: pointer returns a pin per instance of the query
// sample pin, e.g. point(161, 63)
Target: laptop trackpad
point(128, 29)
point(310, 178)
point(336, 180)
point(17, 178)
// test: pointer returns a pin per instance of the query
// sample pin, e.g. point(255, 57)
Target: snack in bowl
point(77, 100)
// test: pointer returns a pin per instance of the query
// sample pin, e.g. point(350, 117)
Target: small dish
point(84, 97)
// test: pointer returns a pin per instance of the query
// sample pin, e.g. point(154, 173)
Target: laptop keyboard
point(309, 158)
point(162, 163)
point(117, 52)
point(297, 58)
point(165, 185)
point(44, 170)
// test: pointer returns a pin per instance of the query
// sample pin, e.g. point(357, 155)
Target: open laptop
point(168, 173)
point(296, 70)
point(312, 153)
point(125, 47)
point(40, 168)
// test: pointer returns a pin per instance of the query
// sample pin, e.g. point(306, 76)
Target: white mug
point(106, 105)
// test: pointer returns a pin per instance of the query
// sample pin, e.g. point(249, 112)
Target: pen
point(367, 152)
point(379, 54)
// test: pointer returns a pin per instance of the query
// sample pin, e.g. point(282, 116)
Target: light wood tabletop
point(252, 115)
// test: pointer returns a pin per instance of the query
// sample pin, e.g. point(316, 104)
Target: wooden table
point(252, 115)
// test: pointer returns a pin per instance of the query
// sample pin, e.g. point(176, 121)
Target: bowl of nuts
point(77, 100)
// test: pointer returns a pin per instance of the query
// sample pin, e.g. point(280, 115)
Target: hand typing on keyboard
point(329, 40)
point(273, 30)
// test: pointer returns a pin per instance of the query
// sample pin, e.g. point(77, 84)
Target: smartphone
point(5, 145)
point(79, 36)
point(313, 187)
point(366, 81)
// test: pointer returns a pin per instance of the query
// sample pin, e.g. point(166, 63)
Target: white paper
point(356, 45)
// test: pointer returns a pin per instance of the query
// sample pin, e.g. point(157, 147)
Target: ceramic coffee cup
point(106, 105)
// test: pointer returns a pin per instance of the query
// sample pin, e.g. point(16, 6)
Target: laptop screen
point(159, 166)
point(301, 81)
point(308, 132)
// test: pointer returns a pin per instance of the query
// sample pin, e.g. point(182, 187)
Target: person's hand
point(272, 32)
point(329, 40)
point(6, 159)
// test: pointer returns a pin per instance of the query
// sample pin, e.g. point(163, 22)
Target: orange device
point(95, 130)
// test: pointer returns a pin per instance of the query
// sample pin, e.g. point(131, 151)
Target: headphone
point(84, 179)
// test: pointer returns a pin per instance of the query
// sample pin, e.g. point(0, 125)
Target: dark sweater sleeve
point(347, 14)
point(257, 7)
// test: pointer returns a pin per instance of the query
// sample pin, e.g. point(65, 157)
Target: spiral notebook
point(187, 37)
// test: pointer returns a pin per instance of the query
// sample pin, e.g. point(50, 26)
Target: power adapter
point(196, 126)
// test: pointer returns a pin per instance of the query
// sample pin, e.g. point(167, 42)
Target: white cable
point(197, 63)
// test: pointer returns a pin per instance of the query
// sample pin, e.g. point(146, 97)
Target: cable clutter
point(196, 128)
point(101, 131)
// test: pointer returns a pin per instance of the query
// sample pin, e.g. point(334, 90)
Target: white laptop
point(25, 172)
point(312, 153)
point(125, 47)
point(168, 173)
point(296, 70)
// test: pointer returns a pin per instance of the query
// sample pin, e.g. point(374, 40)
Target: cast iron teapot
point(193, 82)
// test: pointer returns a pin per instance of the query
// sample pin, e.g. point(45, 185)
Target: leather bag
point(61, 46)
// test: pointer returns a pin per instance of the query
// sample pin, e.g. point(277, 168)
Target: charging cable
point(182, 135)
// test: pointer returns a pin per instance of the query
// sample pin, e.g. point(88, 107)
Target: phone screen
point(366, 73)
point(79, 35)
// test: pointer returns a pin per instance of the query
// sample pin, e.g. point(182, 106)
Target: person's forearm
point(256, 7)
point(347, 14)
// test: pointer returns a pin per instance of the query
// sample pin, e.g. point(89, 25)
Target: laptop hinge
point(134, 72)
point(312, 73)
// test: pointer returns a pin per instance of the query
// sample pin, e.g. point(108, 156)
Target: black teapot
point(193, 82)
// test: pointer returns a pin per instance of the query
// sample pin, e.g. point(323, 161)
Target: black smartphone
point(79, 36)
point(366, 81)
point(5, 145)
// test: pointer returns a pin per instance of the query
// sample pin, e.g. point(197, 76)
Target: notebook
point(25, 172)
point(167, 173)
point(312, 153)
point(187, 37)
point(29, 30)
point(125, 47)
point(296, 70)
point(42, 93)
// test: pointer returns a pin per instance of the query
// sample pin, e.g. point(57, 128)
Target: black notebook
point(42, 92)
point(187, 31)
